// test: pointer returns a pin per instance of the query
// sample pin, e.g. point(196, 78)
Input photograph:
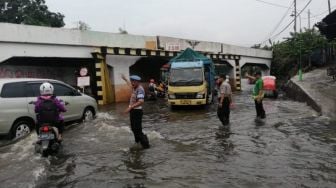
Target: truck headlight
point(200, 95)
point(172, 96)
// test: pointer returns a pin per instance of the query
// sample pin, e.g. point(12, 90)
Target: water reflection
point(134, 162)
point(223, 138)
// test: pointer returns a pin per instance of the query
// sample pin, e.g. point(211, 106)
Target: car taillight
point(45, 129)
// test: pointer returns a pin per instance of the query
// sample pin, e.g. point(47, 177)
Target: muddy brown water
point(189, 148)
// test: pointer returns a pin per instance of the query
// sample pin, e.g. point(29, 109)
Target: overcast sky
point(239, 22)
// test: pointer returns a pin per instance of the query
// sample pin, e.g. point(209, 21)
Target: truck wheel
point(210, 98)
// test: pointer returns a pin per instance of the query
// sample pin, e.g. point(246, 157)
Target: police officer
point(135, 109)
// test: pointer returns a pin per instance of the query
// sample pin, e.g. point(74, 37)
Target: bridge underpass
point(224, 67)
point(113, 54)
point(111, 63)
point(251, 68)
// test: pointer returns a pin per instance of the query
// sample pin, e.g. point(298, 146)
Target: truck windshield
point(186, 76)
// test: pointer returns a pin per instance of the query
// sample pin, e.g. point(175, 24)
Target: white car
point(17, 97)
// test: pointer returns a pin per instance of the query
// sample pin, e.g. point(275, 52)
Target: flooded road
point(189, 148)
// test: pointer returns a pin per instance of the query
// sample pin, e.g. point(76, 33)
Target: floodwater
point(189, 148)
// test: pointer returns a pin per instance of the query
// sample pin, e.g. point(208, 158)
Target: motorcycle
point(47, 140)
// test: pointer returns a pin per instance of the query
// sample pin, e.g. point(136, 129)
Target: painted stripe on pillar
point(110, 51)
point(100, 83)
point(153, 53)
point(162, 54)
point(133, 52)
point(143, 52)
point(100, 102)
point(98, 74)
point(100, 93)
point(122, 51)
point(98, 65)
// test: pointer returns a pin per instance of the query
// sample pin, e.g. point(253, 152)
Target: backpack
point(48, 112)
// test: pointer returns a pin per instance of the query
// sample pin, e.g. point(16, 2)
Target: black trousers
point(59, 125)
point(136, 126)
point(224, 112)
point(260, 109)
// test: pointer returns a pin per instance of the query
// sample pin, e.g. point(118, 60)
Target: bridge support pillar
point(104, 93)
point(120, 65)
point(237, 76)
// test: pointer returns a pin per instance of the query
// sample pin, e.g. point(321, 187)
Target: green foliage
point(29, 12)
point(82, 26)
point(286, 54)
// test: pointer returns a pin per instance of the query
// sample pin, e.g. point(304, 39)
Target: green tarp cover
point(190, 55)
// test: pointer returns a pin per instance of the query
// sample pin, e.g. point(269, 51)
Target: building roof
point(328, 26)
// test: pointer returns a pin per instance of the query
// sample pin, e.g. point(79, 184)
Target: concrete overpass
point(32, 51)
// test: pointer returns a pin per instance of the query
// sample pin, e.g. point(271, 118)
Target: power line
point(284, 29)
point(273, 4)
point(279, 23)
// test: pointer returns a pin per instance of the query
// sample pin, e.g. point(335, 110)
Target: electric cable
point(279, 23)
point(284, 29)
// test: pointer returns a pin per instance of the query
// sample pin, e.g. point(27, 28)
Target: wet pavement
point(189, 148)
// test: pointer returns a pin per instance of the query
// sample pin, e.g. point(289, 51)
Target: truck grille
point(185, 95)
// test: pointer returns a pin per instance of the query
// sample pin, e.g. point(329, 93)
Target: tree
point(288, 54)
point(122, 31)
point(82, 26)
point(29, 12)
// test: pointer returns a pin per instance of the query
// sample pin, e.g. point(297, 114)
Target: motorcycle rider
point(48, 109)
point(152, 89)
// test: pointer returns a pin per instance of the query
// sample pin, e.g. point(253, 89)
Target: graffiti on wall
point(58, 73)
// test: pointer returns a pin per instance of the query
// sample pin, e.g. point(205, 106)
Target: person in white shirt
point(224, 100)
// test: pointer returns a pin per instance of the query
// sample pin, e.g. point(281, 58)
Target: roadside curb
point(296, 92)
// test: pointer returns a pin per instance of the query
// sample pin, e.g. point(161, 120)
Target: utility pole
point(295, 17)
point(308, 18)
point(329, 6)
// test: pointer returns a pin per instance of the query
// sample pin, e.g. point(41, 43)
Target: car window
point(33, 89)
point(62, 90)
point(13, 90)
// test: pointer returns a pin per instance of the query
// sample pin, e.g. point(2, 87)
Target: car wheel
point(21, 128)
point(88, 114)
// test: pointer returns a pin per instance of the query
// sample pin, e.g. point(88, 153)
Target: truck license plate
point(186, 102)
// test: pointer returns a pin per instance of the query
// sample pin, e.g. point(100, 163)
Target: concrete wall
point(8, 50)
point(168, 43)
point(245, 51)
point(58, 73)
point(47, 35)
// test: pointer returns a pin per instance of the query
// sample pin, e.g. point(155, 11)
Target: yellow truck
point(191, 79)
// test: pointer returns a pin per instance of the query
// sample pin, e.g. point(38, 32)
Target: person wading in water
point(135, 109)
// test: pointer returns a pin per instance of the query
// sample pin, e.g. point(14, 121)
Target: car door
point(13, 104)
point(72, 99)
point(32, 91)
